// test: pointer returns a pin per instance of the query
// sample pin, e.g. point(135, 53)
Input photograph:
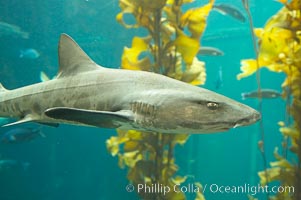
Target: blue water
point(72, 162)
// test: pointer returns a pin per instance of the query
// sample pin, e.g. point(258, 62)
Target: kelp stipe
point(261, 143)
point(280, 51)
point(170, 51)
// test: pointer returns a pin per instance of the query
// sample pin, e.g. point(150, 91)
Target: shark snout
point(250, 119)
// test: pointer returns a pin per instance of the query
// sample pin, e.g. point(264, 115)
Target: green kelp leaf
point(276, 154)
point(135, 175)
point(179, 179)
point(199, 194)
point(175, 195)
point(146, 167)
point(147, 180)
point(250, 197)
point(175, 192)
point(152, 5)
point(169, 170)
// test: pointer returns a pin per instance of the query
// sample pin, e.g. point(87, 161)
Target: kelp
point(279, 50)
point(170, 48)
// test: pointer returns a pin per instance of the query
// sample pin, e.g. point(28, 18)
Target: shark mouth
point(248, 120)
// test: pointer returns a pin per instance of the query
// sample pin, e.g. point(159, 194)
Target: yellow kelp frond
point(281, 169)
point(283, 1)
point(293, 80)
point(127, 7)
point(130, 56)
point(289, 131)
point(281, 163)
point(113, 144)
point(279, 50)
point(119, 18)
point(294, 5)
point(195, 19)
point(130, 158)
point(140, 10)
point(170, 2)
point(176, 138)
point(187, 46)
point(294, 134)
point(248, 67)
point(278, 20)
point(258, 32)
point(195, 74)
point(278, 42)
point(273, 174)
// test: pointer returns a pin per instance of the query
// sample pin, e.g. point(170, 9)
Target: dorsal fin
point(2, 88)
point(72, 59)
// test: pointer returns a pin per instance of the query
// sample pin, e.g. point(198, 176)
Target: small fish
point(210, 51)
point(29, 54)
point(12, 30)
point(265, 93)
point(232, 11)
point(19, 135)
point(219, 79)
point(11, 164)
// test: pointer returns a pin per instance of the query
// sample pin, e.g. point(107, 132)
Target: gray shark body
point(85, 93)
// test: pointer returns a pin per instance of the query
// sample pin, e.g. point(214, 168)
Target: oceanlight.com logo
point(248, 189)
point(211, 188)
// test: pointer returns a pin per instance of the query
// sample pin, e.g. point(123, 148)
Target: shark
point(87, 94)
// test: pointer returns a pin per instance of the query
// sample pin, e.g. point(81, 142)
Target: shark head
point(202, 112)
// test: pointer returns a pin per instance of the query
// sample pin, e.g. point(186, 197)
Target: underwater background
point(72, 162)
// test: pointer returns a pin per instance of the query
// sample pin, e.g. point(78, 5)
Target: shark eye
point(212, 105)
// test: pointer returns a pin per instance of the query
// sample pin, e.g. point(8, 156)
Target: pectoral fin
point(103, 119)
point(27, 118)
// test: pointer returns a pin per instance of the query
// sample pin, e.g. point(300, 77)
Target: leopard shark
point(85, 93)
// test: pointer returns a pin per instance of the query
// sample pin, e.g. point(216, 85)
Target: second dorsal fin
point(72, 59)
